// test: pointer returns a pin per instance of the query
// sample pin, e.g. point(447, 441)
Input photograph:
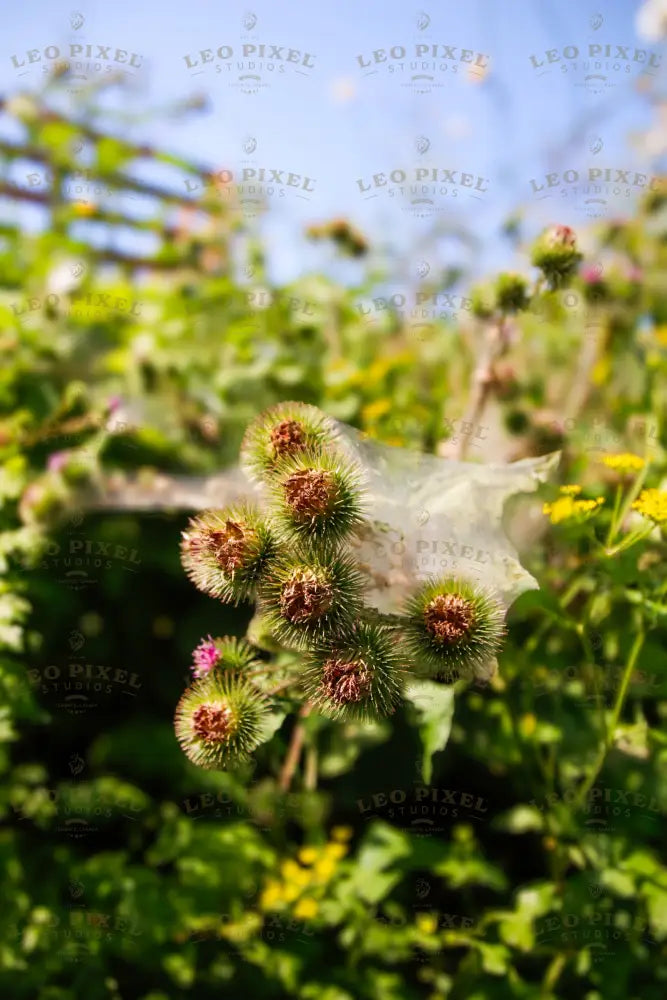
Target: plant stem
point(630, 540)
point(615, 716)
point(619, 516)
point(310, 776)
point(553, 973)
point(294, 749)
point(612, 524)
point(494, 347)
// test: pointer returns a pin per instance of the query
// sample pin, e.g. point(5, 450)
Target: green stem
point(553, 973)
point(568, 595)
point(612, 525)
point(633, 493)
point(630, 540)
point(615, 716)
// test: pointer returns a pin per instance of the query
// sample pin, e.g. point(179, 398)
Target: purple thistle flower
point(205, 656)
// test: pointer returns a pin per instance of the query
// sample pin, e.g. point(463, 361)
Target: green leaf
point(435, 707)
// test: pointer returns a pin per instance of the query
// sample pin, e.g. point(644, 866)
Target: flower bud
point(284, 431)
point(453, 628)
point(358, 676)
point(511, 292)
point(224, 552)
point(555, 253)
point(220, 720)
point(226, 653)
point(483, 300)
point(308, 597)
point(317, 498)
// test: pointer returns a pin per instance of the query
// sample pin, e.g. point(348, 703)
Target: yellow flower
point(372, 411)
point(325, 868)
point(306, 909)
point(527, 724)
point(570, 491)
point(625, 463)
point(660, 334)
point(427, 923)
point(291, 892)
point(271, 896)
point(565, 508)
point(653, 505)
point(335, 851)
point(342, 833)
point(307, 855)
point(601, 371)
point(289, 870)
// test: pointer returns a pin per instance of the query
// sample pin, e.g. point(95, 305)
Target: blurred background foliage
point(530, 866)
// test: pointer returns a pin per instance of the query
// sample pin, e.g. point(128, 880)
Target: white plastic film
point(430, 516)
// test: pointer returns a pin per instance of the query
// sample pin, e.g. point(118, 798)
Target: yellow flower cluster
point(300, 883)
point(653, 505)
point(426, 923)
point(566, 508)
point(626, 463)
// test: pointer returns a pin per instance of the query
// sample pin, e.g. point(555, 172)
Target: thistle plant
point(292, 555)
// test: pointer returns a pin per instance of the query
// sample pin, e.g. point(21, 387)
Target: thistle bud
point(308, 597)
point(358, 677)
point(220, 720)
point(317, 498)
point(283, 431)
point(453, 628)
point(511, 292)
point(224, 552)
point(483, 300)
point(555, 253)
point(226, 653)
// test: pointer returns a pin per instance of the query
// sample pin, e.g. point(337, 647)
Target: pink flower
point(57, 460)
point(591, 274)
point(205, 657)
point(562, 236)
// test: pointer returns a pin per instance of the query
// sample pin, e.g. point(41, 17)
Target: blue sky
point(399, 116)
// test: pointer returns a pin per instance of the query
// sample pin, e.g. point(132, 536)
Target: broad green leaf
point(435, 708)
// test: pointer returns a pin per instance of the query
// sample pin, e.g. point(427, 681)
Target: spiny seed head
point(316, 498)
point(449, 618)
point(344, 681)
point(224, 552)
point(220, 719)
point(357, 675)
point(233, 544)
point(452, 629)
point(288, 437)
point(310, 492)
point(213, 722)
point(285, 430)
point(306, 596)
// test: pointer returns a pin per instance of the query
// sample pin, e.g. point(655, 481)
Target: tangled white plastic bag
point(429, 516)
